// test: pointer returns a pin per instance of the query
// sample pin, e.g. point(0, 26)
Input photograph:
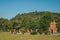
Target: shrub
point(33, 33)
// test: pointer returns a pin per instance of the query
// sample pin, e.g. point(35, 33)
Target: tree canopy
point(31, 20)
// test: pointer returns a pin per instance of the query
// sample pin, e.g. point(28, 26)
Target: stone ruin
point(53, 27)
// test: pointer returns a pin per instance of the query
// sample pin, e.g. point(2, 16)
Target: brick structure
point(53, 28)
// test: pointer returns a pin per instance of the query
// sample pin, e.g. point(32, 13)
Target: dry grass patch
point(8, 36)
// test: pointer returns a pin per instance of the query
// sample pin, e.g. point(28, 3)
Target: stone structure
point(53, 28)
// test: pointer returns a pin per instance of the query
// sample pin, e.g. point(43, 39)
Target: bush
point(40, 32)
point(33, 33)
point(46, 32)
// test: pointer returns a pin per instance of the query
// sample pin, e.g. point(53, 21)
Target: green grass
point(8, 36)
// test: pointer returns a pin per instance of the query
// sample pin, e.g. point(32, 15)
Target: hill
point(34, 14)
point(31, 21)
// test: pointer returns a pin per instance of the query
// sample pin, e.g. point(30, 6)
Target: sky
point(10, 8)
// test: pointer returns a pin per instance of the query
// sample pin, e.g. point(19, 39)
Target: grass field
point(8, 36)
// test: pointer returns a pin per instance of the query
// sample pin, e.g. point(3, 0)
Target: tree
point(45, 21)
point(5, 24)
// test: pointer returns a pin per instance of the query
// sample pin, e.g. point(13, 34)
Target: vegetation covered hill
point(31, 21)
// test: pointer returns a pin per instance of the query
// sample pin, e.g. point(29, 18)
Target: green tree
point(45, 21)
point(5, 24)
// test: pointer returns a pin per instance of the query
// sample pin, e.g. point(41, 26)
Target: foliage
point(45, 21)
point(31, 21)
point(5, 24)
